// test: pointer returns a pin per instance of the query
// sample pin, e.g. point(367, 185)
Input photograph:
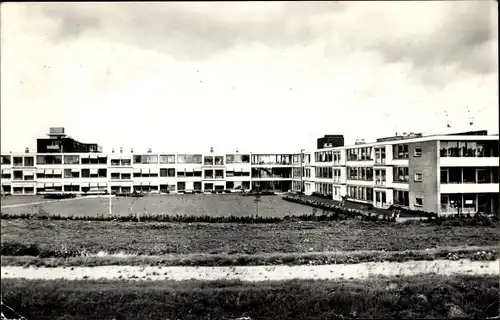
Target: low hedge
point(324, 216)
point(452, 220)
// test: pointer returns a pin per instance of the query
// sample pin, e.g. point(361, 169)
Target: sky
point(253, 76)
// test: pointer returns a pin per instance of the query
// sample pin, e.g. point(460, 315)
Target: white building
point(441, 173)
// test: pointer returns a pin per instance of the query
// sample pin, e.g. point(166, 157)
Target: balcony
point(469, 188)
point(468, 162)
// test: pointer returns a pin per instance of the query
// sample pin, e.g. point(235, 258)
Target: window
point(454, 175)
point(417, 177)
point(18, 175)
point(444, 175)
point(181, 186)
point(197, 173)
point(126, 176)
point(67, 173)
point(219, 174)
point(167, 172)
point(401, 174)
point(146, 159)
point(126, 162)
point(18, 161)
point(401, 198)
point(208, 161)
point(469, 175)
point(419, 202)
point(5, 160)
point(417, 152)
point(102, 173)
point(40, 159)
point(483, 175)
point(115, 175)
point(197, 158)
point(85, 173)
point(189, 158)
point(114, 162)
point(400, 151)
point(380, 155)
point(71, 159)
point(219, 161)
point(29, 161)
point(167, 159)
point(29, 176)
point(181, 173)
point(209, 174)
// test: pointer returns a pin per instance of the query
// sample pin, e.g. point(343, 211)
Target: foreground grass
point(72, 238)
point(430, 297)
point(488, 253)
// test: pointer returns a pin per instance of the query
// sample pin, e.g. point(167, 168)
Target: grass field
point(419, 297)
point(219, 238)
point(214, 205)
point(61, 243)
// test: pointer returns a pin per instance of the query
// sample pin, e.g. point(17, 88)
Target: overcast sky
point(261, 76)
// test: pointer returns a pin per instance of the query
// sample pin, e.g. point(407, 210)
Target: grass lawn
point(197, 204)
point(489, 253)
point(429, 297)
point(150, 238)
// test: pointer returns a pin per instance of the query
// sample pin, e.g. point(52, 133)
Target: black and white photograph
point(249, 160)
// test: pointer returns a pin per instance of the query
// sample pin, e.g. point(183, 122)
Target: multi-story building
point(441, 173)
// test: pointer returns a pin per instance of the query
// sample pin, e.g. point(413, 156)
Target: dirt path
point(260, 273)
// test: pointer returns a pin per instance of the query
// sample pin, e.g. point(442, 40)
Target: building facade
point(446, 174)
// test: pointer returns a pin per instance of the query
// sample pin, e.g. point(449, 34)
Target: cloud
point(238, 73)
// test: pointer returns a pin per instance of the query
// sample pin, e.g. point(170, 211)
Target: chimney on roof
point(150, 150)
point(131, 150)
point(27, 150)
point(113, 150)
point(211, 149)
point(236, 150)
point(121, 150)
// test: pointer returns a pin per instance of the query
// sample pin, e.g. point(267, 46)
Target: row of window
point(400, 151)
point(269, 173)
point(324, 172)
point(359, 154)
point(361, 173)
point(327, 156)
point(281, 159)
point(469, 175)
point(138, 159)
point(324, 188)
point(102, 173)
point(360, 193)
point(469, 148)
point(163, 188)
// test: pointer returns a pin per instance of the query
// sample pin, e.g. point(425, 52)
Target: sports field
point(197, 205)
